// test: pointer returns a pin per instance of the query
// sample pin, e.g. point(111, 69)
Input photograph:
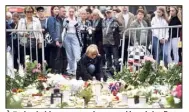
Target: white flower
point(16, 98)
point(17, 81)
point(176, 100)
point(45, 85)
point(15, 70)
point(21, 71)
point(170, 65)
point(162, 63)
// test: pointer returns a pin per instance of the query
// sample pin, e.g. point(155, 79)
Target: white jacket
point(160, 33)
point(36, 26)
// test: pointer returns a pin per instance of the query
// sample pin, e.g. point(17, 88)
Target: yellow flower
point(19, 90)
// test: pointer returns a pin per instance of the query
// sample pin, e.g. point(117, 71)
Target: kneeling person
point(89, 65)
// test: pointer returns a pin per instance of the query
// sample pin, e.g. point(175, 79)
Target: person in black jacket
point(86, 30)
point(174, 34)
point(97, 32)
point(14, 25)
point(89, 65)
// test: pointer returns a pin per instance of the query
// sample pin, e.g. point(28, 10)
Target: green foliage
point(151, 74)
point(172, 104)
point(11, 83)
point(126, 76)
point(11, 103)
point(86, 94)
point(173, 75)
point(63, 105)
point(32, 71)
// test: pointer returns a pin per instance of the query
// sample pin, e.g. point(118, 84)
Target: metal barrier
point(133, 39)
point(21, 41)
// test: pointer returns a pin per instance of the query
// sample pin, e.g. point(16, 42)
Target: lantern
point(56, 95)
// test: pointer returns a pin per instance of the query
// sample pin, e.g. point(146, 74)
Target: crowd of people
point(82, 44)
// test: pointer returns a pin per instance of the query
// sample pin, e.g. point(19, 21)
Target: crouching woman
point(89, 65)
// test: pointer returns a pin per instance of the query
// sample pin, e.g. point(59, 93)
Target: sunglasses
point(29, 11)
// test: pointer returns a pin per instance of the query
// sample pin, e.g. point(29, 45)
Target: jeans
point(91, 69)
point(173, 45)
point(109, 51)
point(160, 51)
point(73, 51)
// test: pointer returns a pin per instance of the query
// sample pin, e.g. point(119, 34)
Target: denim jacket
point(53, 28)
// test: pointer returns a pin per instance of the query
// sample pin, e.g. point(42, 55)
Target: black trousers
point(180, 54)
point(86, 42)
point(58, 60)
point(15, 52)
point(109, 51)
point(22, 56)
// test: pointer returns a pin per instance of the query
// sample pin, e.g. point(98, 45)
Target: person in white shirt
point(72, 41)
point(160, 36)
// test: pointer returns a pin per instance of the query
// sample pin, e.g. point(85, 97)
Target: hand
point(166, 40)
point(43, 30)
point(40, 45)
point(162, 41)
point(58, 44)
point(26, 35)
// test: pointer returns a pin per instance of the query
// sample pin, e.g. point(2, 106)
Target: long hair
point(164, 15)
point(97, 11)
point(52, 8)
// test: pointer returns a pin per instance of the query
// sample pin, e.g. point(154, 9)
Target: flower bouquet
point(86, 92)
point(175, 99)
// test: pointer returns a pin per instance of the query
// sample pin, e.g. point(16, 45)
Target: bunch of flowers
point(175, 99)
point(86, 92)
point(17, 90)
point(115, 87)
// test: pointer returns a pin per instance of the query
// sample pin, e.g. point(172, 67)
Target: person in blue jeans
point(72, 41)
point(160, 36)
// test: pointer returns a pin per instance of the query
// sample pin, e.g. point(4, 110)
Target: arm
point(155, 32)
point(99, 26)
point(21, 26)
point(52, 28)
point(40, 35)
point(83, 69)
point(166, 31)
point(133, 33)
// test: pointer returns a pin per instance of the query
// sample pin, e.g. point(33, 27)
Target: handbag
point(27, 41)
point(48, 38)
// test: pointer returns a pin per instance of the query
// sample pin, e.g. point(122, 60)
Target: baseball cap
point(40, 9)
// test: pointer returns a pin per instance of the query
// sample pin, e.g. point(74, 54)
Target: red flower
point(117, 98)
point(131, 69)
point(179, 63)
point(155, 91)
point(14, 90)
point(111, 84)
point(179, 91)
point(114, 93)
point(65, 76)
point(38, 66)
point(86, 84)
point(47, 88)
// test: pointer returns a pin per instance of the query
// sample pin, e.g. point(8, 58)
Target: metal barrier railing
point(135, 40)
point(26, 45)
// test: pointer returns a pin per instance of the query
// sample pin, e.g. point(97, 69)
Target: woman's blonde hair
point(92, 49)
point(96, 11)
point(27, 8)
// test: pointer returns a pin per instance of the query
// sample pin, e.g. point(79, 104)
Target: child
point(89, 65)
